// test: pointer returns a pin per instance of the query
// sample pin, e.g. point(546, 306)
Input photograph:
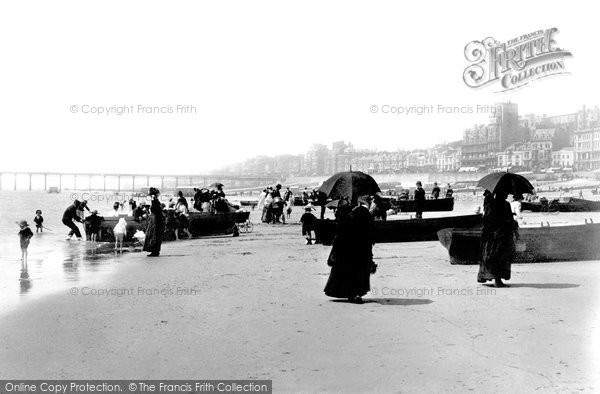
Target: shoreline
point(260, 313)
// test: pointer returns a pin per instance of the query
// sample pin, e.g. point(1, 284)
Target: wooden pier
point(122, 182)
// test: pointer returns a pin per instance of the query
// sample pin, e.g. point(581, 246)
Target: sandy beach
point(253, 307)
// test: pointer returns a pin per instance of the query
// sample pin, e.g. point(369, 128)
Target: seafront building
point(587, 149)
point(529, 142)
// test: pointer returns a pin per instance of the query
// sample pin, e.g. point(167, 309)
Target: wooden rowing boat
point(535, 244)
point(249, 203)
point(571, 205)
point(201, 224)
point(409, 230)
point(432, 205)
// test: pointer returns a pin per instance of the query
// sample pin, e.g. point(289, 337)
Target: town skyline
point(526, 141)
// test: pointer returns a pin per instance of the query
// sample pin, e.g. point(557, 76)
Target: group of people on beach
point(207, 200)
point(162, 220)
point(274, 205)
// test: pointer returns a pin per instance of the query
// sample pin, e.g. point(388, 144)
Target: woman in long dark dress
point(156, 225)
point(351, 257)
point(497, 240)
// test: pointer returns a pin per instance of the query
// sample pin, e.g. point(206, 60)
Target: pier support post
point(75, 182)
point(30, 182)
point(118, 183)
point(14, 181)
point(162, 183)
point(104, 182)
point(45, 182)
point(90, 183)
point(60, 182)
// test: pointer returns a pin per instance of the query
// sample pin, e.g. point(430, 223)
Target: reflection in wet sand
point(24, 279)
point(54, 265)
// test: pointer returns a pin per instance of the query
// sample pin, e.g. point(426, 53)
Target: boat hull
point(541, 244)
point(409, 230)
point(575, 205)
point(439, 205)
point(201, 224)
point(249, 203)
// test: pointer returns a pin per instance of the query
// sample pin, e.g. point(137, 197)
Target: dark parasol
point(508, 182)
point(349, 185)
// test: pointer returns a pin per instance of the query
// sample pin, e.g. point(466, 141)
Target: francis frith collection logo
point(514, 63)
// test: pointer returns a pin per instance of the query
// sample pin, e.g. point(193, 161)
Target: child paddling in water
point(39, 221)
point(25, 235)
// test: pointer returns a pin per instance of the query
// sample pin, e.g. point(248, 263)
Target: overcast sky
point(268, 77)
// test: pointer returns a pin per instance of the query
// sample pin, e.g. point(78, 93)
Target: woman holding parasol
point(499, 227)
point(351, 256)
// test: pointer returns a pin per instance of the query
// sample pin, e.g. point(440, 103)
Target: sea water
point(54, 264)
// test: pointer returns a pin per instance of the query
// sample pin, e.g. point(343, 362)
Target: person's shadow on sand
point(392, 301)
point(540, 285)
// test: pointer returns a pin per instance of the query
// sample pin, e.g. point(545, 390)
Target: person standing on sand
point(181, 201)
point(419, 200)
point(70, 215)
point(435, 192)
point(183, 222)
point(156, 225)
point(308, 221)
point(449, 191)
point(261, 200)
point(132, 204)
point(351, 256)
point(497, 240)
point(321, 199)
point(305, 196)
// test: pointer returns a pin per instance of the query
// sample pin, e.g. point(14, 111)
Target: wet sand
point(253, 307)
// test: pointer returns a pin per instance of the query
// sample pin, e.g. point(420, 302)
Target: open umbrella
point(216, 185)
point(349, 185)
point(506, 181)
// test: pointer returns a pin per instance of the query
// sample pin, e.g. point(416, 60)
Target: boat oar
point(46, 228)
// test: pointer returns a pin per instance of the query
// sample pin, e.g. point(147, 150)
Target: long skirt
point(497, 252)
point(350, 271)
point(348, 282)
point(154, 234)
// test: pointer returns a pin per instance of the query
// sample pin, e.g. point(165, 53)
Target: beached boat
point(432, 205)
point(535, 244)
point(249, 203)
point(409, 230)
point(201, 224)
point(569, 204)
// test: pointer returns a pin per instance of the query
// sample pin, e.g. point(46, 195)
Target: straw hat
point(23, 223)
